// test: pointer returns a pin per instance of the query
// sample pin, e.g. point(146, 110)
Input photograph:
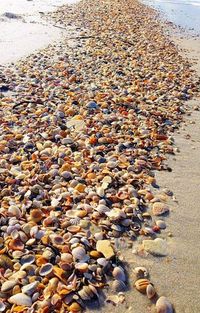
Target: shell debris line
point(83, 129)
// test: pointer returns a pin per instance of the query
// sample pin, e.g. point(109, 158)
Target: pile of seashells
point(83, 128)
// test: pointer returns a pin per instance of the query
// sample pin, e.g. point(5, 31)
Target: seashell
point(75, 307)
point(5, 262)
point(118, 274)
point(159, 208)
point(163, 306)
point(8, 285)
point(2, 306)
point(101, 208)
point(14, 210)
point(141, 285)
point(95, 254)
point(118, 286)
point(30, 288)
point(67, 257)
point(74, 229)
point(16, 244)
point(85, 293)
point(100, 192)
point(126, 222)
point(79, 253)
point(28, 259)
point(115, 214)
point(141, 272)
point(57, 240)
point(102, 261)
point(150, 291)
point(21, 299)
point(36, 215)
point(81, 267)
point(46, 269)
point(161, 224)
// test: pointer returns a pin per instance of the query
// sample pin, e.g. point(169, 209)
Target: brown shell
point(141, 285)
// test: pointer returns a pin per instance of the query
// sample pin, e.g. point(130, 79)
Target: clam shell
point(150, 291)
point(163, 306)
point(27, 259)
point(141, 285)
point(21, 299)
point(118, 274)
point(46, 269)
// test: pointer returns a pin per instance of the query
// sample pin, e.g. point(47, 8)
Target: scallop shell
point(118, 286)
point(118, 274)
point(21, 299)
point(85, 293)
point(141, 285)
point(79, 253)
point(150, 291)
point(46, 269)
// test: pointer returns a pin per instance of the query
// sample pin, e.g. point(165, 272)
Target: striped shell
point(141, 285)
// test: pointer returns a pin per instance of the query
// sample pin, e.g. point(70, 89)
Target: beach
point(99, 162)
point(25, 31)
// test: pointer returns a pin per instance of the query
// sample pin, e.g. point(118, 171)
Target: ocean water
point(183, 13)
point(22, 36)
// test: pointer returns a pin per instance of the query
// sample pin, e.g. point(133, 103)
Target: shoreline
point(71, 83)
point(28, 32)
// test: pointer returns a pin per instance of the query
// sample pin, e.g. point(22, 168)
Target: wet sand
point(29, 31)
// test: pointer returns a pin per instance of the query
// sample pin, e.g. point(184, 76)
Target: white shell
point(79, 253)
point(20, 299)
point(8, 285)
point(150, 291)
point(30, 288)
point(118, 274)
point(163, 306)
